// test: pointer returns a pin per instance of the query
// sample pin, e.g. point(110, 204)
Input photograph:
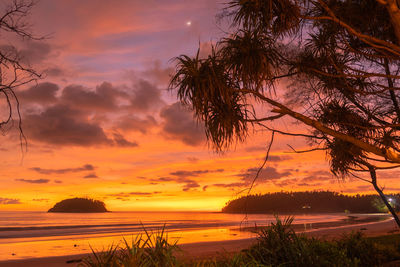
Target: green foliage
point(103, 258)
point(250, 55)
point(379, 205)
point(359, 248)
point(278, 17)
point(277, 245)
point(148, 250)
point(205, 85)
point(344, 156)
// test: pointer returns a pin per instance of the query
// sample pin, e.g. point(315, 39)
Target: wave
point(33, 228)
point(62, 230)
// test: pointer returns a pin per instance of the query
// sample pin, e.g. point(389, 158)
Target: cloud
point(34, 181)
point(266, 174)
point(86, 167)
point(8, 201)
point(41, 199)
point(232, 185)
point(278, 158)
point(165, 179)
point(61, 125)
point(255, 148)
point(28, 51)
point(189, 184)
point(387, 189)
point(179, 124)
point(90, 175)
point(125, 195)
point(84, 117)
point(182, 177)
point(35, 51)
point(145, 96)
point(78, 115)
point(42, 93)
point(363, 188)
point(184, 173)
point(317, 176)
point(157, 73)
point(314, 178)
point(388, 174)
point(103, 98)
point(285, 182)
point(134, 123)
point(303, 184)
point(192, 159)
point(55, 71)
point(120, 141)
point(366, 187)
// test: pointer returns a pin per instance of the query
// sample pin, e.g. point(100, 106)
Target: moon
point(189, 23)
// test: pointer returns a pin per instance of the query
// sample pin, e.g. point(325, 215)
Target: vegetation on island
point(79, 205)
point(277, 245)
point(309, 202)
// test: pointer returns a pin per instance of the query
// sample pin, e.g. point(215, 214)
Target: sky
point(102, 124)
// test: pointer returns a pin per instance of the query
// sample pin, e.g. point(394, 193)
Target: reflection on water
point(40, 234)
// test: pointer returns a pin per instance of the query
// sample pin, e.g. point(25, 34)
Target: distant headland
point(79, 205)
point(310, 202)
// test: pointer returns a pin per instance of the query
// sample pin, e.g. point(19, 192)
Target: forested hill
point(79, 205)
point(309, 202)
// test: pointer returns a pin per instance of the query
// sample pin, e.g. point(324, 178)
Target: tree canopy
point(308, 202)
point(332, 65)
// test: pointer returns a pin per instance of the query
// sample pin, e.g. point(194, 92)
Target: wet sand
point(211, 249)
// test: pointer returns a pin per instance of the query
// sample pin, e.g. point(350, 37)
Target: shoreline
point(207, 249)
point(349, 221)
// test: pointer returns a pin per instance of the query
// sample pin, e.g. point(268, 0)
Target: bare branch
point(305, 151)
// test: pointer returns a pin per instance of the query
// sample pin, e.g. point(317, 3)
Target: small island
point(79, 205)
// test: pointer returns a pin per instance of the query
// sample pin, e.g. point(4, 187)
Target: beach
point(199, 250)
point(50, 235)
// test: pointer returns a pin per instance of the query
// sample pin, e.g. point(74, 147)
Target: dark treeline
point(309, 202)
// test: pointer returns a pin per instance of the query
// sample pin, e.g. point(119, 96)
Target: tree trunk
point(392, 7)
point(382, 195)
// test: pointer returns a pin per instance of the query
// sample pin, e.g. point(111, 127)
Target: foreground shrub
point(277, 245)
point(150, 249)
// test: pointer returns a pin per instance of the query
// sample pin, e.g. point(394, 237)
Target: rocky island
point(79, 205)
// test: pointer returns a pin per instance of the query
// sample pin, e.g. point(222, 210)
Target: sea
point(41, 234)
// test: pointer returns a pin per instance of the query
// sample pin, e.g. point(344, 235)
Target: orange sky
point(101, 124)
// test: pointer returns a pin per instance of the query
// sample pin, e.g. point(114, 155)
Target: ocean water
point(42, 234)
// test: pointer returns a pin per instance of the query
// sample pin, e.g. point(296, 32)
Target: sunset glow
point(102, 124)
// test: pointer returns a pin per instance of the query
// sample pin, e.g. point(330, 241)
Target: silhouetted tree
point(332, 65)
point(14, 69)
